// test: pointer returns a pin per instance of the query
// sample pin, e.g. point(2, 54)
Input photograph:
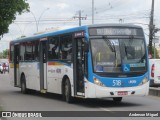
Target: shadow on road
point(90, 103)
point(108, 102)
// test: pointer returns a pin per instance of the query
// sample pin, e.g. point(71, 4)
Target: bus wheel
point(23, 85)
point(67, 91)
point(117, 99)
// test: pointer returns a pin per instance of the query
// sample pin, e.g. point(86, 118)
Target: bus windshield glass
point(110, 55)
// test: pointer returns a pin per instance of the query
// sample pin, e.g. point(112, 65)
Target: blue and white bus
point(95, 61)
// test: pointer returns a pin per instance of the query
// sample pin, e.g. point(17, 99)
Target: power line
point(70, 20)
point(130, 14)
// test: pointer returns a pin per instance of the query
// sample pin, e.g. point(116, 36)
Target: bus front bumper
point(95, 91)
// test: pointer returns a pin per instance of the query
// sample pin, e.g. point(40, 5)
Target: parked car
point(1, 67)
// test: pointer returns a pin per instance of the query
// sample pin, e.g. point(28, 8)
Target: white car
point(1, 67)
point(154, 72)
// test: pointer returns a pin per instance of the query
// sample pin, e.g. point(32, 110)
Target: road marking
point(105, 109)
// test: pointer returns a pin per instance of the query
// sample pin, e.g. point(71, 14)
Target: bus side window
point(22, 51)
point(28, 56)
point(66, 47)
point(11, 53)
point(36, 51)
point(53, 48)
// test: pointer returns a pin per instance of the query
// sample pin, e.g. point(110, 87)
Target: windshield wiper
point(142, 58)
point(125, 50)
point(111, 45)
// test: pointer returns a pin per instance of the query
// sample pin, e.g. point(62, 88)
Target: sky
point(48, 15)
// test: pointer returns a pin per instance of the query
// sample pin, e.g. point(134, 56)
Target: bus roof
point(48, 34)
point(114, 25)
point(65, 31)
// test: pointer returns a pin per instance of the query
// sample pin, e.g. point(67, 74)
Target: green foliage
point(8, 11)
point(4, 54)
point(156, 52)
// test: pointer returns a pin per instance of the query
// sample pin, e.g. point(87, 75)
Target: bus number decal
point(117, 83)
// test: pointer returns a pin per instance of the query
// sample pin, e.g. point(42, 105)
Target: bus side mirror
point(86, 47)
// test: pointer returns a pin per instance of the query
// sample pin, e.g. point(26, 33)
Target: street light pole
point(41, 15)
point(37, 21)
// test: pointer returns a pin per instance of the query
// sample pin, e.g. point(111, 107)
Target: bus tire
point(23, 85)
point(67, 91)
point(117, 99)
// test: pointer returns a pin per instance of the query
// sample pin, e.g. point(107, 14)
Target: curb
point(154, 91)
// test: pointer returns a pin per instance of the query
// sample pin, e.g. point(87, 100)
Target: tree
point(156, 52)
point(4, 54)
point(8, 12)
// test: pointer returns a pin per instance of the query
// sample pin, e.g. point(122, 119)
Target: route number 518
point(117, 83)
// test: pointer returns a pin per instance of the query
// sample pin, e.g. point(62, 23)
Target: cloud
point(60, 14)
point(62, 5)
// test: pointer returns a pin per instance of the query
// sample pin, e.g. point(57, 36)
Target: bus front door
point(78, 61)
point(16, 66)
point(43, 66)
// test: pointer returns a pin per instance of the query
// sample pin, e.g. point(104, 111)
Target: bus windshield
point(109, 55)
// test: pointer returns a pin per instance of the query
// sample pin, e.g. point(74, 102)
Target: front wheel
point(67, 91)
point(117, 99)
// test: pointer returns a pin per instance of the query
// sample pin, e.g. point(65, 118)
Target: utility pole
point(92, 11)
point(151, 28)
point(80, 17)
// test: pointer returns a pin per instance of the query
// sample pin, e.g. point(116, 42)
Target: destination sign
point(116, 31)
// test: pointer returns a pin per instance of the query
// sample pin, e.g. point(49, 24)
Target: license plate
point(122, 93)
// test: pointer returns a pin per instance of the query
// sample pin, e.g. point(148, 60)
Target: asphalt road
point(11, 99)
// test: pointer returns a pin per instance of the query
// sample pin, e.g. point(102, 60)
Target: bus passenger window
point(22, 51)
point(53, 48)
point(36, 50)
point(28, 53)
point(66, 47)
point(11, 53)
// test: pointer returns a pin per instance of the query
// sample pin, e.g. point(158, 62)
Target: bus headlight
point(145, 80)
point(98, 82)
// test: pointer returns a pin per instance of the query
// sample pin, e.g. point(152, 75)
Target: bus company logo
point(132, 81)
point(51, 71)
point(58, 70)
